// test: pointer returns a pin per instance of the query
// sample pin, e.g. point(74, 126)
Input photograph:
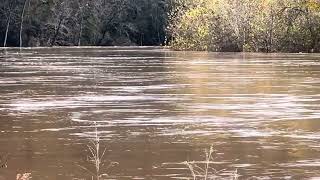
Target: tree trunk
point(57, 32)
point(80, 31)
point(21, 23)
point(7, 30)
point(270, 41)
point(312, 32)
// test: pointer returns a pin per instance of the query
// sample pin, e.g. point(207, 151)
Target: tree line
point(82, 22)
point(246, 25)
point(210, 25)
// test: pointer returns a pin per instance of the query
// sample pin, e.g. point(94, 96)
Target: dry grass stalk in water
point(96, 156)
point(4, 161)
point(4, 164)
point(206, 172)
point(25, 176)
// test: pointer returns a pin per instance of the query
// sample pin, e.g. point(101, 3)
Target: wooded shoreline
point(192, 25)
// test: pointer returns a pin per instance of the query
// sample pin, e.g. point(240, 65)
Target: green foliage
point(246, 25)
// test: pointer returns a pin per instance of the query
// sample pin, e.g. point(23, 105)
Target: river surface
point(154, 109)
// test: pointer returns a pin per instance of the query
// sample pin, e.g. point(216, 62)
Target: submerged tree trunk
point(80, 34)
point(21, 23)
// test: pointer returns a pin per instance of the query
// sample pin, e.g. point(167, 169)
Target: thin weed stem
point(96, 156)
point(206, 172)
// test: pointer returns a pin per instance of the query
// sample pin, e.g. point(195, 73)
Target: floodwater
point(155, 108)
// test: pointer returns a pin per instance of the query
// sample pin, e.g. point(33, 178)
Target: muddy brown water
point(155, 108)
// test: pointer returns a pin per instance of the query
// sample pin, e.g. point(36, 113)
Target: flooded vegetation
point(154, 109)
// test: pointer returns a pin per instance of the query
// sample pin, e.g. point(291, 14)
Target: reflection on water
point(156, 108)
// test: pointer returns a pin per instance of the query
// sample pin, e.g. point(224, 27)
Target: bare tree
point(80, 3)
point(21, 22)
point(8, 10)
point(7, 30)
point(61, 12)
point(83, 5)
point(106, 13)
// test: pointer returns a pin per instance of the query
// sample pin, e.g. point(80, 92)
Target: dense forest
point(82, 22)
point(210, 25)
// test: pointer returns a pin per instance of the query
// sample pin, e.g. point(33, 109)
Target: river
point(154, 109)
